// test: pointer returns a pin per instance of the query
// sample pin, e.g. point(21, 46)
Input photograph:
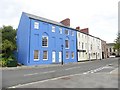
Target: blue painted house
point(43, 41)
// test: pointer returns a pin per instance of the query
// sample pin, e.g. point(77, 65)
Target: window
point(91, 46)
point(78, 34)
point(66, 32)
point(45, 55)
point(72, 55)
point(72, 33)
point(79, 54)
point(53, 28)
point(44, 41)
point(67, 55)
point(66, 44)
point(79, 44)
point(60, 30)
point(82, 45)
point(36, 55)
point(83, 54)
point(36, 25)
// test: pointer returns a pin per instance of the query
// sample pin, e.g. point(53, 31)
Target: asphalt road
point(14, 77)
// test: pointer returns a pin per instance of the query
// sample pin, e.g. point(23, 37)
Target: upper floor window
point(67, 43)
point(79, 44)
point(66, 32)
point(72, 33)
point(45, 41)
point(82, 45)
point(60, 30)
point(36, 25)
point(53, 28)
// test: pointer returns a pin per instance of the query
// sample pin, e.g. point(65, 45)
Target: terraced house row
point(43, 41)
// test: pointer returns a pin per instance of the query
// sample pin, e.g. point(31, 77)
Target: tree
point(8, 44)
point(117, 44)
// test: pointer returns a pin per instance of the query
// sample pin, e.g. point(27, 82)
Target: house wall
point(82, 50)
point(23, 35)
point(92, 47)
point(34, 42)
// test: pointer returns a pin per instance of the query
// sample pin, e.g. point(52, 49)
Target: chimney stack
point(85, 30)
point(78, 28)
point(66, 22)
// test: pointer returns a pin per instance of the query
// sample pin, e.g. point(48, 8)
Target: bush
point(3, 62)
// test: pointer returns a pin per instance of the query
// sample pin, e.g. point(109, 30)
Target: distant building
point(43, 41)
point(111, 50)
point(104, 49)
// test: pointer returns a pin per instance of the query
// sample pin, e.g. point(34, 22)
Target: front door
point(60, 56)
point(53, 57)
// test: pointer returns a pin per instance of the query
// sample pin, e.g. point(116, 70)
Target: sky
point(100, 16)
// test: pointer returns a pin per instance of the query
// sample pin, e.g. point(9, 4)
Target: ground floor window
point(45, 55)
point(36, 55)
point(67, 55)
point(72, 55)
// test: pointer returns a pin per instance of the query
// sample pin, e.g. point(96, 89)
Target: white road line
point(113, 71)
point(30, 74)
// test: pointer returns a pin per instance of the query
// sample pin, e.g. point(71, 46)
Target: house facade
point(88, 46)
point(43, 41)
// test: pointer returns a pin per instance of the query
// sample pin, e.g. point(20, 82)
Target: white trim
point(53, 28)
point(47, 41)
point(36, 25)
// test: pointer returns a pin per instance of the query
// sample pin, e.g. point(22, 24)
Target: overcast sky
point(100, 16)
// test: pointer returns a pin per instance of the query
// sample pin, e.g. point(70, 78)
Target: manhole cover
point(65, 78)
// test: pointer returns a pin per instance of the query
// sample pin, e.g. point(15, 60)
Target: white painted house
point(88, 47)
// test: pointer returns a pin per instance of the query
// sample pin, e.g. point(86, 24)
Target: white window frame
point(60, 30)
point(73, 55)
point(67, 33)
point(36, 25)
point(53, 28)
point(72, 33)
point(66, 55)
point(47, 41)
point(68, 44)
point(38, 55)
point(43, 55)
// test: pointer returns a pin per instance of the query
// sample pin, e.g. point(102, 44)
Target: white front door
point(60, 56)
point(53, 56)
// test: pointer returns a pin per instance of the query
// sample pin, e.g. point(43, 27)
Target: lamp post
point(62, 54)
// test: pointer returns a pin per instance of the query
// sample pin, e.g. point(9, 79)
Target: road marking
point(72, 68)
point(113, 70)
point(39, 73)
point(30, 74)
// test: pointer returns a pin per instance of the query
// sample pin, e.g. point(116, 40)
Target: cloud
point(100, 16)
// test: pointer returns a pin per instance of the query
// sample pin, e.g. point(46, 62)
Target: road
point(19, 77)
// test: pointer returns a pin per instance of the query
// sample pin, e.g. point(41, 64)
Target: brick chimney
point(85, 30)
point(78, 28)
point(66, 22)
